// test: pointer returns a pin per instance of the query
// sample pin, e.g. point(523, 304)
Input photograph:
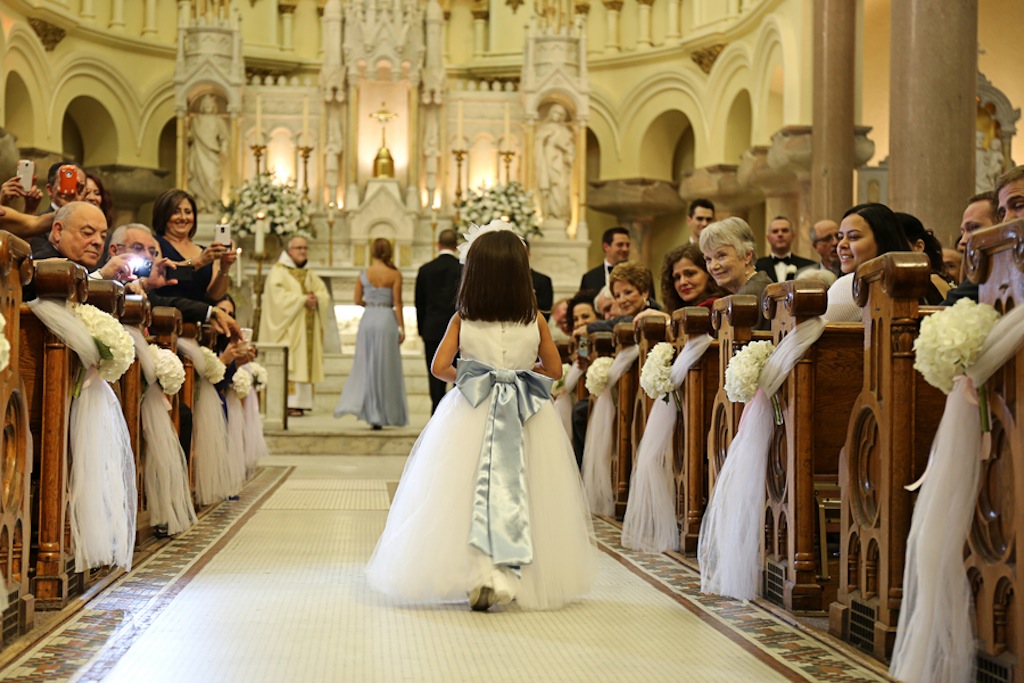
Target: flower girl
point(490, 505)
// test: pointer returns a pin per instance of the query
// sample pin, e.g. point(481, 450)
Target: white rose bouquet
point(744, 370)
point(117, 350)
point(654, 376)
point(510, 203)
point(597, 375)
point(283, 205)
point(949, 341)
point(170, 373)
point(213, 370)
point(259, 374)
point(242, 383)
point(5, 346)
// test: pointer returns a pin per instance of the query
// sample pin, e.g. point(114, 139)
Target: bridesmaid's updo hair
point(381, 250)
point(496, 284)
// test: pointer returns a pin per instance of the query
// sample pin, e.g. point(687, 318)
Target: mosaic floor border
point(799, 651)
point(84, 647)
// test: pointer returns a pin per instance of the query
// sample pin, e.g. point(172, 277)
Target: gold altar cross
point(383, 116)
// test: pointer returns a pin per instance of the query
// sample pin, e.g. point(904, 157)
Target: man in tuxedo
point(615, 244)
point(700, 215)
point(781, 265)
point(437, 285)
point(542, 289)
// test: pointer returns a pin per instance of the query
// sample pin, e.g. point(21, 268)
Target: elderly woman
point(728, 246)
point(631, 285)
point(867, 231)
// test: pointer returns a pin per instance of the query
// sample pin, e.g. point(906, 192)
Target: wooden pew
point(647, 334)
point(164, 328)
point(137, 313)
point(627, 388)
point(803, 456)
point(16, 511)
point(995, 260)
point(697, 399)
point(48, 369)
point(734, 317)
point(889, 433)
point(188, 392)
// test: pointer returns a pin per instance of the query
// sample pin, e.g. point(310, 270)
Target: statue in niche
point(991, 166)
point(208, 141)
point(555, 152)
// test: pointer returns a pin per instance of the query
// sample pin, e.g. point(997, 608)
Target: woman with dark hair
point(867, 231)
point(98, 196)
point(375, 390)
point(174, 222)
point(924, 241)
point(685, 281)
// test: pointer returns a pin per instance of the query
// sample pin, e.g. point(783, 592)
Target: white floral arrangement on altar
point(170, 373)
point(213, 368)
point(259, 374)
point(242, 383)
point(597, 375)
point(286, 210)
point(950, 339)
point(115, 345)
point(744, 370)
point(5, 346)
point(655, 377)
point(510, 203)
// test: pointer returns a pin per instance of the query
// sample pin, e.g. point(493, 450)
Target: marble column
point(149, 20)
point(832, 158)
point(643, 8)
point(88, 10)
point(613, 9)
point(932, 107)
point(117, 15)
point(672, 34)
point(480, 17)
point(287, 13)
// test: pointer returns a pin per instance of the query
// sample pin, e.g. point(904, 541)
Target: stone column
point(833, 125)
point(480, 17)
point(932, 110)
point(287, 26)
point(117, 15)
point(88, 10)
point(612, 10)
point(672, 34)
point(643, 8)
point(149, 21)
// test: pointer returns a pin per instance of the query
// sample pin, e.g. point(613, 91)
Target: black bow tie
point(779, 259)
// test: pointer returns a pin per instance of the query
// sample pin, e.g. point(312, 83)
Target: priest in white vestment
point(296, 305)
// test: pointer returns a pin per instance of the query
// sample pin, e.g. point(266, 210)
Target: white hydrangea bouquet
point(242, 383)
point(949, 341)
point(213, 369)
point(510, 203)
point(115, 345)
point(655, 377)
point(597, 375)
point(170, 373)
point(283, 205)
point(5, 346)
point(259, 374)
point(744, 370)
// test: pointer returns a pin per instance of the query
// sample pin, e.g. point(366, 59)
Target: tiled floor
point(270, 588)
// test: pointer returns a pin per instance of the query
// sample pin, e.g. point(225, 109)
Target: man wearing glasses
point(825, 238)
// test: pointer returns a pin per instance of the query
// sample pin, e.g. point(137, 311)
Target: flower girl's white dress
point(424, 554)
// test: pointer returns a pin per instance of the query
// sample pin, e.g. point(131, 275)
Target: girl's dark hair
point(229, 299)
point(584, 296)
point(885, 226)
point(381, 249)
point(693, 253)
point(496, 284)
point(915, 230)
point(165, 206)
point(106, 199)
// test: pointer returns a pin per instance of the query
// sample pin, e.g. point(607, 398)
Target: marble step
point(321, 434)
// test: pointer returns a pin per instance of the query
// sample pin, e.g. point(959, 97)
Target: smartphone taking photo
point(26, 173)
point(67, 180)
point(141, 267)
point(222, 234)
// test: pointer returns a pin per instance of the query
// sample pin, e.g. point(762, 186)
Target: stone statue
point(208, 141)
point(555, 152)
point(993, 163)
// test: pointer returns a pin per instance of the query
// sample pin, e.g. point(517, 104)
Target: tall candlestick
point(507, 145)
point(305, 120)
point(259, 120)
point(458, 127)
point(261, 229)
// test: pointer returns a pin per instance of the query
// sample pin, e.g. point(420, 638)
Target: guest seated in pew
point(631, 285)
point(729, 253)
point(953, 261)
point(604, 304)
point(685, 281)
point(582, 310)
point(925, 242)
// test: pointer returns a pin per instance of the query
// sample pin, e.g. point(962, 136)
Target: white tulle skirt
point(424, 554)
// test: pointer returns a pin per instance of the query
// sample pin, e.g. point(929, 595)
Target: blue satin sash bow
point(501, 522)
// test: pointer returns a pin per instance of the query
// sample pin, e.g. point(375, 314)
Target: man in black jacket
point(782, 264)
point(437, 284)
point(615, 244)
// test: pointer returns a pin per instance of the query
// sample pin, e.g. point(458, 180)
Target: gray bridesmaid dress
point(375, 390)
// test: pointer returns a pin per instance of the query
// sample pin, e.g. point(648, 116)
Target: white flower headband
point(475, 231)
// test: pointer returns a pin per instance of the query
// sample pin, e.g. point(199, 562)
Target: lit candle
point(507, 136)
point(458, 127)
point(305, 121)
point(238, 268)
point(259, 120)
point(261, 229)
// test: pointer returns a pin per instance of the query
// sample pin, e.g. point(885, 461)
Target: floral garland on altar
point(284, 207)
point(511, 203)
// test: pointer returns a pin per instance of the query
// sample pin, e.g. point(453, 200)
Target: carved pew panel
point(996, 261)
point(889, 433)
point(164, 328)
point(646, 335)
point(16, 509)
point(48, 369)
point(627, 388)
point(697, 400)
point(804, 454)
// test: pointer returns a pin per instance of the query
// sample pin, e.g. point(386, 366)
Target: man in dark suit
point(782, 264)
point(615, 244)
point(437, 285)
point(542, 289)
